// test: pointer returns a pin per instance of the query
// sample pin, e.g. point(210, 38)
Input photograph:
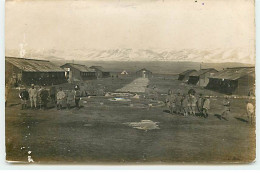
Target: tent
point(124, 72)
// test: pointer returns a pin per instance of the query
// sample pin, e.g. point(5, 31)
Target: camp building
point(100, 71)
point(238, 81)
point(201, 77)
point(78, 72)
point(184, 76)
point(144, 73)
point(32, 71)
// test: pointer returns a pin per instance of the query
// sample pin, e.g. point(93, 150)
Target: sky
point(122, 24)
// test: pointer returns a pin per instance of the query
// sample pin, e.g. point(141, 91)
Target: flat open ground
point(100, 131)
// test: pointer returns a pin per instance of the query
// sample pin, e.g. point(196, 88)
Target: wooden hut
point(31, 71)
point(238, 81)
point(201, 77)
point(144, 73)
point(78, 72)
point(100, 71)
point(184, 76)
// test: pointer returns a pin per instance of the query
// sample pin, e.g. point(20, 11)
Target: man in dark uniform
point(24, 96)
point(53, 93)
point(44, 97)
point(77, 96)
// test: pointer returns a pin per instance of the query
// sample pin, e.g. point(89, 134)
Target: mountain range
point(208, 55)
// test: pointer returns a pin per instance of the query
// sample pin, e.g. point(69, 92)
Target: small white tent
point(124, 72)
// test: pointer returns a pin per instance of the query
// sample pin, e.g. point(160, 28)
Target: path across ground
point(138, 85)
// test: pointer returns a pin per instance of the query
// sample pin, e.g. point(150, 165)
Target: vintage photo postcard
point(130, 82)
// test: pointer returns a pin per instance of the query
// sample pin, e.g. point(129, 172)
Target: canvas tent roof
point(234, 73)
point(33, 65)
point(201, 72)
point(80, 67)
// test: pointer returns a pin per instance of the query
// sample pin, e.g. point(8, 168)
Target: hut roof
point(202, 71)
point(98, 68)
point(79, 67)
point(143, 69)
point(234, 73)
point(187, 72)
point(33, 65)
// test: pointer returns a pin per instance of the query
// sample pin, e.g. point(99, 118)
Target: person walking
point(24, 96)
point(60, 97)
point(33, 96)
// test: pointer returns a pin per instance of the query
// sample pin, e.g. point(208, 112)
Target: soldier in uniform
point(24, 96)
point(33, 96)
point(44, 95)
point(200, 103)
point(170, 101)
point(226, 105)
point(77, 96)
point(39, 97)
point(192, 101)
point(70, 98)
point(250, 111)
point(60, 97)
point(206, 106)
point(184, 105)
point(53, 93)
point(178, 103)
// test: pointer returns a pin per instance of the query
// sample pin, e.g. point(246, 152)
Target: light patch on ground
point(119, 99)
point(138, 85)
point(143, 125)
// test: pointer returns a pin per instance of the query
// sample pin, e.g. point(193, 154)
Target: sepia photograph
point(130, 82)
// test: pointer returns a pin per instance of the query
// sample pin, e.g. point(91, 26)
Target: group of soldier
point(188, 104)
point(39, 98)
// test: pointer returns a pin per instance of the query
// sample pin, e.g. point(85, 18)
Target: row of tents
point(237, 80)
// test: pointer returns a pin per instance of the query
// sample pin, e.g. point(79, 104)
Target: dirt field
point(102, 132)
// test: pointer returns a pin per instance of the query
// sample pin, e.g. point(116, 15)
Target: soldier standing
point(39, 97)
point(200, 103)
point(33, 96)
point(77, 96)
point(206, 106)
point(60, 96)
point(172, 103)
point(70, 98)
point(24, 96)
point(184, 105)
point(53, 93)
point(250, 111)
point(44, 94)
point(226, 104)
point(178, 103)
